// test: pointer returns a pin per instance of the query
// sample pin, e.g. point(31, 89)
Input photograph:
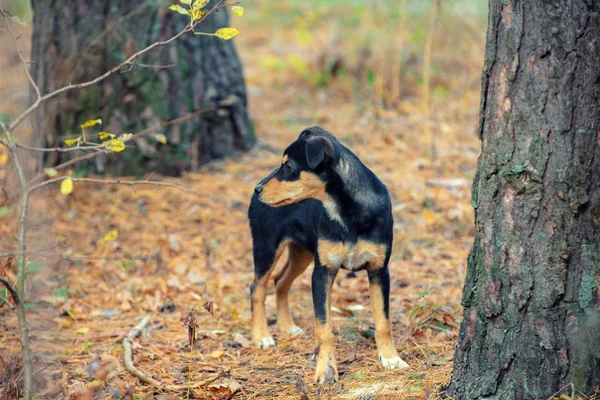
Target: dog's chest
point(351, 256)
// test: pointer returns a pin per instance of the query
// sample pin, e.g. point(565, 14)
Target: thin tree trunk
point(74, 41)
point(531, 325)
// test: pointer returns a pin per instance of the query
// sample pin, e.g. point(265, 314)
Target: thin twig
point(128, 353)
point(58, 149)
point(151, 66)
point(20, 53)
point(112, 181)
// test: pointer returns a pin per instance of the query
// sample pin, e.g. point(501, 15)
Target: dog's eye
point(287, 168)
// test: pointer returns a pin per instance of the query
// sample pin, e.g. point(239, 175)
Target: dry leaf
point(217, 354)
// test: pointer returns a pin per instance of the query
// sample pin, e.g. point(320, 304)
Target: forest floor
point(108, 256)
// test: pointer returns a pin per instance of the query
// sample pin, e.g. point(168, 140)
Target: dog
point(325, 206)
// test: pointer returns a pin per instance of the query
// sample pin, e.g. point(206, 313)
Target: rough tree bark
point(531, 323)
point(78, 40)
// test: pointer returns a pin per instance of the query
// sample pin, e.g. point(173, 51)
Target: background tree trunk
point(531, 308)
point(77, 40)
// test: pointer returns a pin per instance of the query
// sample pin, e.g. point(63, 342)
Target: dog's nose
point(258, 189)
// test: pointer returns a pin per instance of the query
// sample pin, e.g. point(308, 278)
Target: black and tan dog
point(325, 206)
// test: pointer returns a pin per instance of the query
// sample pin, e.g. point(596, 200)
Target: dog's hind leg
point(298, 259)
point(264, 262)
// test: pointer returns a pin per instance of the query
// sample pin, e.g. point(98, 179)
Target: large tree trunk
point(531, 298)
point(77, 40)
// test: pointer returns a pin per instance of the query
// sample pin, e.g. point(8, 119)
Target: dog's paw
point(295, 331)
point(266, 342)
point(326, 374)
point(392, 363)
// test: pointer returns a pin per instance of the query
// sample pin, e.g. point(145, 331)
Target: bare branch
point(112, 181)
point(58, 149)
point(20, 53)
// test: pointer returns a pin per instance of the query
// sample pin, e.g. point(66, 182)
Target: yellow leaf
point(238, 10)
point(114, 145)
point(199, 4)
point(3, 158)
point(217, 354)
point(179, 9)
point(66, 186)
point(83, 331)
point(188, 2)
point(197, 14)
point(18, 20)
point(226, 33)
point(71, 142)
point(161, 138)
point(104, 135)
point(110, 236)
point(429, 217)
point(51, 172)
point(125, 137)
point(91, 122)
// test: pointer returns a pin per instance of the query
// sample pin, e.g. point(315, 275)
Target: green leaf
point(80, 174)
point(179, 9)
point(61, 292)
point(51, 172)
point(370, 77)
point(422, 295)
point(188, 2)
point(416, 310)
point(4, 211)
point(18, 20)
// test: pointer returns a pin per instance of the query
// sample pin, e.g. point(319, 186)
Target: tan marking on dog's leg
point(260, 331)
point(388, 356)
point(326, 370)
point(298, 259)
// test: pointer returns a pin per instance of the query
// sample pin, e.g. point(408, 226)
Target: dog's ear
point(318, 150)
point(312, 130)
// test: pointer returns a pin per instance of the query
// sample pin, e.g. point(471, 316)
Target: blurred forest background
point(397, 81)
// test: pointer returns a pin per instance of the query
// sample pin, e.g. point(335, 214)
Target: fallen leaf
point(217, 354)
point(112, 235)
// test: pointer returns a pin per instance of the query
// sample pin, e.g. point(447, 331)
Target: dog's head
point(303, 172)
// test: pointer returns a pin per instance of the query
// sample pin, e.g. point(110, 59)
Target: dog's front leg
point(322, 282)
point(379, 285)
